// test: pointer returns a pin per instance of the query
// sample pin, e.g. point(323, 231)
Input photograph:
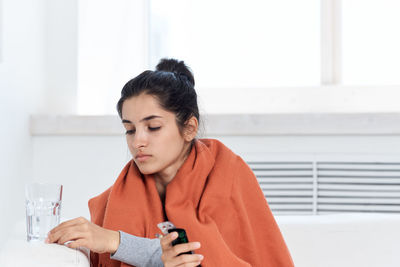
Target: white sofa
point(343, 240)
point(17, 252)
point(336, 240)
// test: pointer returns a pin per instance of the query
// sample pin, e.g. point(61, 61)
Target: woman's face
point(152, 134)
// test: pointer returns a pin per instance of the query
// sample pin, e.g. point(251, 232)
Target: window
point(111, 50)
point(268, 56)
point(240, 44)
point(371, 41)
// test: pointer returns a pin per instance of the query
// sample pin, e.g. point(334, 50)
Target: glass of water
point(43, 206)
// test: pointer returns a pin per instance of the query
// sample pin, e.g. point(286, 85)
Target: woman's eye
point(154, 128)
point(129, 132)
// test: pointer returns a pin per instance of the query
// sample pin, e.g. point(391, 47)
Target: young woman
point(197, 184)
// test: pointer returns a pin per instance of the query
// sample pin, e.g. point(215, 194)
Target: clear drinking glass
point(43, 206)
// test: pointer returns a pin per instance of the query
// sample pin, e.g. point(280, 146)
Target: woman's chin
point(146, 170)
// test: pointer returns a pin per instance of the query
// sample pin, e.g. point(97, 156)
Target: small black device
point(182, 238)
point(168, 227)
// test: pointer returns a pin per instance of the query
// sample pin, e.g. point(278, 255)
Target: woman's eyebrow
point(144, 119)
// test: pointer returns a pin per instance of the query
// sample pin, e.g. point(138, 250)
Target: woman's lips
point(142, 158)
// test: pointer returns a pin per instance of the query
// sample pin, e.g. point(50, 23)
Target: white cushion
point(342, 240)
point(17, 252)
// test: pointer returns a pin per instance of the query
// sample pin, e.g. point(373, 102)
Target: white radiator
point(319, 187)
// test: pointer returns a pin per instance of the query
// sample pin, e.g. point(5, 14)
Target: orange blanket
point(214, 196)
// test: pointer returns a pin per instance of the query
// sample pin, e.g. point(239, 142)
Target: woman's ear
point(191, 128)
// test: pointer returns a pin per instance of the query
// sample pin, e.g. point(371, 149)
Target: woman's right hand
point(81, 232)
point(170, 253)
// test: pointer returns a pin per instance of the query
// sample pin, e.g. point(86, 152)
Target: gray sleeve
point(138, 251)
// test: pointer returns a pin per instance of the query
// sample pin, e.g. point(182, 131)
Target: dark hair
point(172, 83)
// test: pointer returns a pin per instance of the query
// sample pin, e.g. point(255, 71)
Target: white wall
point(85, 165)
point(33, 60)
point(86, 153)
point(21, 93)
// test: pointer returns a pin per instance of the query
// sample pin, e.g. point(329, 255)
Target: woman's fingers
point(166, 244)
point(167, 240)
point(78, 243)
point(68, 230)
point(71, 236)
point(63, 235)
point(187, 260)
point(172, 255)
point(68, 223)
point(186, 247)
point(59, 230)
point(193, 264)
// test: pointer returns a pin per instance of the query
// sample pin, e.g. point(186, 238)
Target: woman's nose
point(140, 139)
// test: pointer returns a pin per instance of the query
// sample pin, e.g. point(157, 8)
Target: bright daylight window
point(240, 44)
point(371, 41)
point(262, 46)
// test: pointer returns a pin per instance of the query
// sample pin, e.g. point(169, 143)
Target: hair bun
point(175, 66)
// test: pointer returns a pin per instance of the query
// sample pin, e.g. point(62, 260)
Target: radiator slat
point(289, 186)
point(273, 199)
point(292, 212)
point(287, 193)
point(359, 166)
point(285, 179)
point(353, 200)
point(359, 187)
point(359, 180)
point(347, 173)
point(280, 165)
point(274, 173)
point(395, 208)
point(291, 206)
point(358, 194)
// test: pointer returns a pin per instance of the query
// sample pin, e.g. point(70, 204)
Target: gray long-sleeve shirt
point(138, 251)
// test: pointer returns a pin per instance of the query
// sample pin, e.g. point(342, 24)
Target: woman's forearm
point(138, 251)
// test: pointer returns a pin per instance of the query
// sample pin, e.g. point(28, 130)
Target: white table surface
point(17, 252)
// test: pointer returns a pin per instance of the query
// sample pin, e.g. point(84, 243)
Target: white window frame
point(331, 50)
